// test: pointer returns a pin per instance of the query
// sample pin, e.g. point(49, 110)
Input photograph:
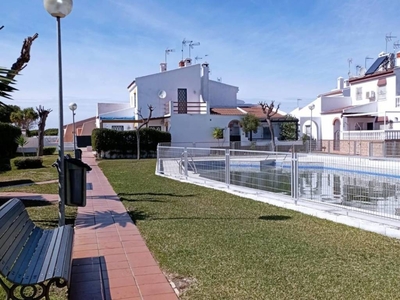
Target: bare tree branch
point(268, 110)
point(24, 57)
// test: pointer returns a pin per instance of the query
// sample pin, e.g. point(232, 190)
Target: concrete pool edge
point(365, 221)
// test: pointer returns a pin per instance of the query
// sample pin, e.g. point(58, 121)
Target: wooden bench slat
point(53, 256)
point(64, 255)
point(37, 258)
point(14, 231)
point(15, 249)
point(24, 259)
point(49, 253)
point(9, 217)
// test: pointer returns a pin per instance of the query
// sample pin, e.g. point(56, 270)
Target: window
point(135, 100)
point(117, 127)
point(182, 101)
point(382, 93)
point(359, 93)
point(397, 104)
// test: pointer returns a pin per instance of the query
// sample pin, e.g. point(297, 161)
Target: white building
point(365, 107)
point(187, 103)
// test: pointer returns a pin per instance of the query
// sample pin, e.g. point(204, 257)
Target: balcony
point(191, 108)
point(371, 135)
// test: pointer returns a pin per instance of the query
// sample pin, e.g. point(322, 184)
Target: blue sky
point(272, 50)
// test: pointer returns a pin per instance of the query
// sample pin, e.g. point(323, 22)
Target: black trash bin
point(75, 181)
point(78, 153)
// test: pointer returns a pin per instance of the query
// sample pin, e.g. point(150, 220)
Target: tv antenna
point(396, 45)
point(197, 58)
point(349, 60)
point(358, 69)
point(168, 51)
point(365, 63)
point(388, 38)
point(184, 43)
point(298, 102)
point(191, 45)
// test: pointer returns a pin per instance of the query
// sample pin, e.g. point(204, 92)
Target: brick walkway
point(111, 259)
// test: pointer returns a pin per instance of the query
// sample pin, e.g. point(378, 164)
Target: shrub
point(123, 142)
point(51, 131)
point(49, 150)
point(30, 133)
point(8, 134)
point(28, 163)
point(5, 164)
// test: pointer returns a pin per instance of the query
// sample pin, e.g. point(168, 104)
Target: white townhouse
point(187, 103)
point(363, 108)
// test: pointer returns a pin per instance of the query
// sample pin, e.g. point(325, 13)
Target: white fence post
point(227, 167)
point(185, 162)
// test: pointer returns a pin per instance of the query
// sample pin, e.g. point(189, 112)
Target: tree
point(144, 123)
point(249, 124)
point(288, 129)
point(5, 112)
point(270, 110)
point(43, 114)
point(218, 133)
point(24, 118)
point(21, 141)
point(7, 75)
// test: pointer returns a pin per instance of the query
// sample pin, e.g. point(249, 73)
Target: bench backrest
point(15, 229)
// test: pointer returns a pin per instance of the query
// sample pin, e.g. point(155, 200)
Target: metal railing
point(351, 182)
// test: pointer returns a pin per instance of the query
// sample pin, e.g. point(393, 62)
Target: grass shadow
point(141, 200)
point(137, 215)
point(274, 218)
point(12, 183)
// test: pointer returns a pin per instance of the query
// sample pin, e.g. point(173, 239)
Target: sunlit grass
point(236, 248)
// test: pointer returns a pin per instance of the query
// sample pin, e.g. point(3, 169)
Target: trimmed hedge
point(8, 134)
point(49, 150)
point(124, 142)
point(28, 163)
point(47, 132)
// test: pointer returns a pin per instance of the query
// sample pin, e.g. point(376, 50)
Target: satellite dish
point(162, 94)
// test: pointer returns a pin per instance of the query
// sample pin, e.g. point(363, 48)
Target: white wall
point(222, 95)
point(149, 86)
point(372, 85)
point(198, 128)
point(334, 102)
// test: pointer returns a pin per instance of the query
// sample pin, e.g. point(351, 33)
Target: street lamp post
point(73, 106)
point(60, 9)
point(311, 107)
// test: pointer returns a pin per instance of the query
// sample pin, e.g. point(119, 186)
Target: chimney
point(398, 59)
point(163, 67)
point(340, 83)
point(181, 64)
point(188, 62)
point(205, 82)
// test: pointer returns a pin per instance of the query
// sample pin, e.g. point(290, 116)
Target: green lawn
point(45, 215)
point(235, 248)
point(35, 175)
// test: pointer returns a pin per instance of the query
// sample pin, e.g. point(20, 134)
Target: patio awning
point(369, 108)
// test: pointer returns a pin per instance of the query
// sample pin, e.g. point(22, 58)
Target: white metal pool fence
point(364, 184)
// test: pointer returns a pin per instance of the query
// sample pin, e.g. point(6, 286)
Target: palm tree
point(6, 84)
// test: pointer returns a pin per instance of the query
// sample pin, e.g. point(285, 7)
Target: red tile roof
point(376, 75)
point(257, 111)
point(254, 110)
point(226, 111)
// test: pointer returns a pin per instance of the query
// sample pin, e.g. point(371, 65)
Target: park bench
point(32, 259)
